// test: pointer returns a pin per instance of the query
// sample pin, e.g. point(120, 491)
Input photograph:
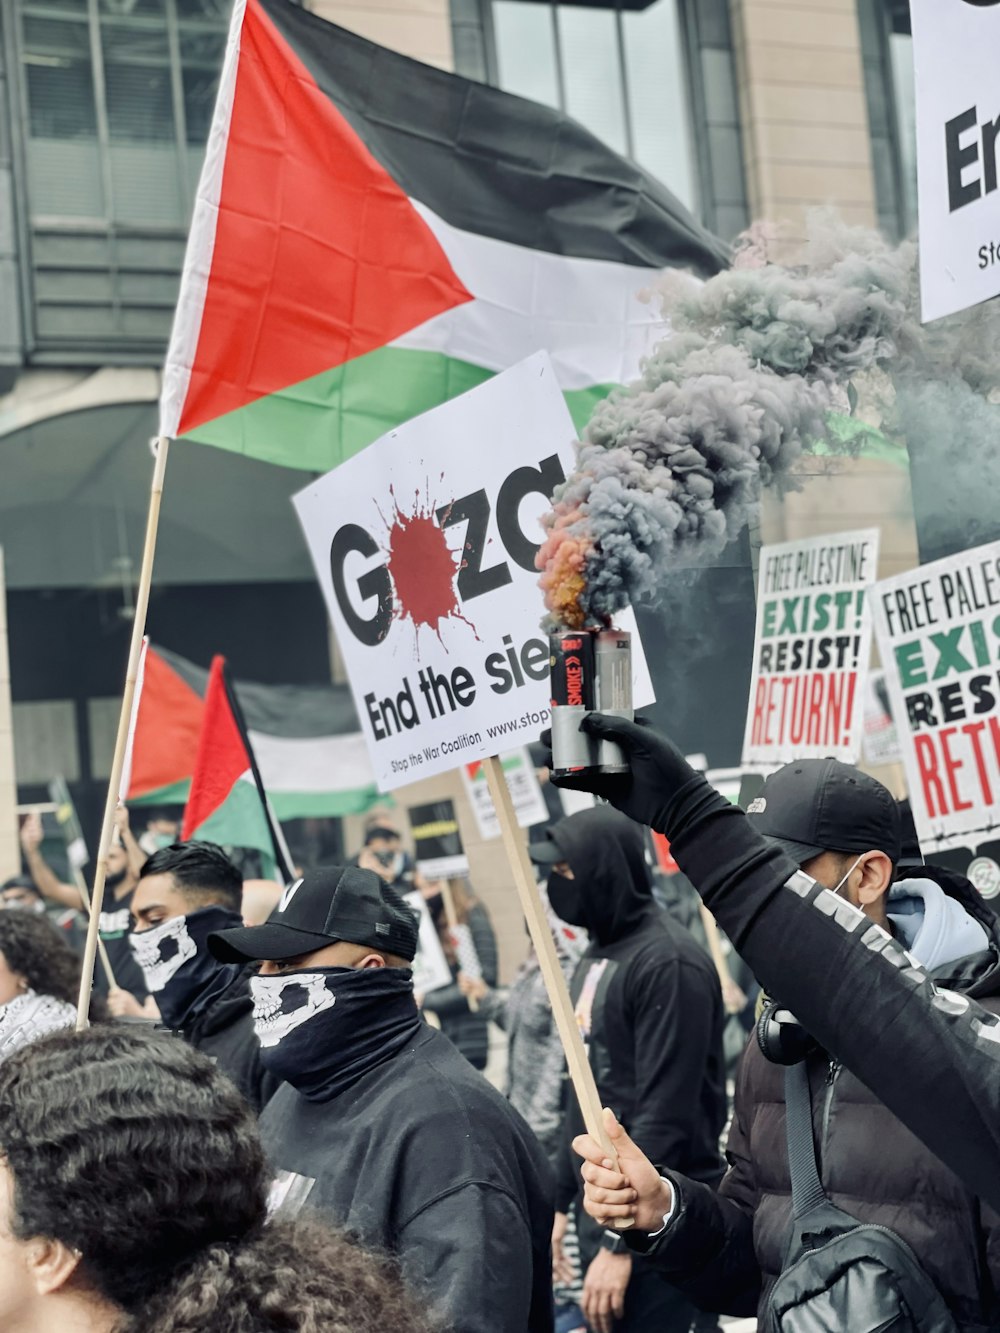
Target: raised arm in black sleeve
point(931, 1056)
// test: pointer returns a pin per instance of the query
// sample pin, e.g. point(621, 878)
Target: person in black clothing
point(649, 1004)
point(728, 1248)
point(185, 892)
point(931, 1056)
point(382, 1126)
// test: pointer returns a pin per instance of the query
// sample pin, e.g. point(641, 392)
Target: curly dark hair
point(33, 946)
point(131, 1147)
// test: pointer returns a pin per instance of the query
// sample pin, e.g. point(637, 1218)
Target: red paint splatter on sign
point(423, 568)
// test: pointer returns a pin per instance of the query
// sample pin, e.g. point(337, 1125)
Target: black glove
point(714, 843)
point(657, 783)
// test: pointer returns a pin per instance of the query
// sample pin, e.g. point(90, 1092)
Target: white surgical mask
point(848, 875)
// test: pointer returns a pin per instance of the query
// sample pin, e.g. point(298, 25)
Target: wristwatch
point(613, 1242)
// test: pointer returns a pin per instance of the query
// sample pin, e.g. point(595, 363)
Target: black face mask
point(567, 901)
point(323, 1028)
point(180, 973)
point(111, 881)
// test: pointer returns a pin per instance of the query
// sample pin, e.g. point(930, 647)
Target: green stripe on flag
point(239, 821)
point(317, 424)
point(323, 804)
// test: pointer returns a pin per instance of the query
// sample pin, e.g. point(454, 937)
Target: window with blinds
point(119, 100)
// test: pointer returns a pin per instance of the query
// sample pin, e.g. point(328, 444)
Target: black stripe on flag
point(495, 164)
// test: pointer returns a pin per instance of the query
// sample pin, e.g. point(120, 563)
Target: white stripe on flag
point(201, 241)
point(587, 313)
point(312, 763)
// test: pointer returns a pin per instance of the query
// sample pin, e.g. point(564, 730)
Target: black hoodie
point(648, 999)
point(223, 1030)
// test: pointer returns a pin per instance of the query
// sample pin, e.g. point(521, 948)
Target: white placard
point(523, 785)
point(813, 638)
point(424, 547)
point(956, 46)
point(881, 743)
point(430, 967)
point(938, 632)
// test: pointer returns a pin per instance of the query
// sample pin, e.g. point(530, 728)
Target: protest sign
point(938, 632)
point(813, 637)
point(430, 967)
point(523, 785)
point(881, 743)
point(424, 546)
point(437, 841)
point(958, 127)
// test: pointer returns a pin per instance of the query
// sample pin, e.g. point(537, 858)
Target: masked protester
point(648, 1001)
point(133, 1199)
point(187, 891)
point(843, 828)
point(382, 1126)
point(931, 1056)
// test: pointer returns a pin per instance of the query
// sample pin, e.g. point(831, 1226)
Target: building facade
point(745, 108)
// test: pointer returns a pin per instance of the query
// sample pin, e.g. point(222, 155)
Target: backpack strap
point(807, 1192)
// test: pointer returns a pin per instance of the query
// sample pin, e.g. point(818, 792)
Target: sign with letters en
point(938, 632)
point(424, 545)
point(812, 642)
point(956, 44)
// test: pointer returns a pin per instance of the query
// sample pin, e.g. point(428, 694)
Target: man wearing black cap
point(842, 828)
point(383, 1126)
point(648, 1001)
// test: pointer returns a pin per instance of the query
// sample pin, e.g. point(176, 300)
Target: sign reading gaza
point(813, 637)
point(938, 631)
point(424, 545)
point(955, 47)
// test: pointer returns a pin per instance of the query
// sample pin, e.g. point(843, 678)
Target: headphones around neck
point(781, 1037)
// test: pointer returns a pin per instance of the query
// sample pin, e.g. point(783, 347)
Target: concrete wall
point(418, 28)
point(802, 102)
point(10, 857)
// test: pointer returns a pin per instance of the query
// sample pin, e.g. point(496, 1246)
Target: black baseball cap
point(821, 805)
point(329, 904)
point(546, 851)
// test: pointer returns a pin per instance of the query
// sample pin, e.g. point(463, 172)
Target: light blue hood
point(935, 928)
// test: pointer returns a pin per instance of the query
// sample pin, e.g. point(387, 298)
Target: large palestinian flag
point(312, 757)
point(373, 236)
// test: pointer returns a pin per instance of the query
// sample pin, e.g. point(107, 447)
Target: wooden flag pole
point(81, 884)
point(121, 743)
point(555, 983)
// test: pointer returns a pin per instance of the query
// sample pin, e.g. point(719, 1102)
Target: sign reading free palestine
point(812, 641)
point(938, 633)
point(424, 545)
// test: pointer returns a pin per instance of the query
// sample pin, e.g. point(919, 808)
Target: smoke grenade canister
point(613, 658)
point(574, 695)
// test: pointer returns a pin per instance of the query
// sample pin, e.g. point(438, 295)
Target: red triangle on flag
point(167, 727)
point(222, 756)
point(319, 255)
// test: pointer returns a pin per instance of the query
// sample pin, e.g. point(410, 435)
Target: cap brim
point(268, 943)
point(545, 852)
point(800, 852)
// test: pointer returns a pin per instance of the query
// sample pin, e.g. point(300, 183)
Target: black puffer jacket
point(726, 1249)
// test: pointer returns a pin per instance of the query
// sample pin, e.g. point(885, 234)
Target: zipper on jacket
point(832, 1074)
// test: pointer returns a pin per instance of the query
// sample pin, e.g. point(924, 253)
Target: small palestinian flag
point(373, 236)
point(312, 756)
point(227, 802)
